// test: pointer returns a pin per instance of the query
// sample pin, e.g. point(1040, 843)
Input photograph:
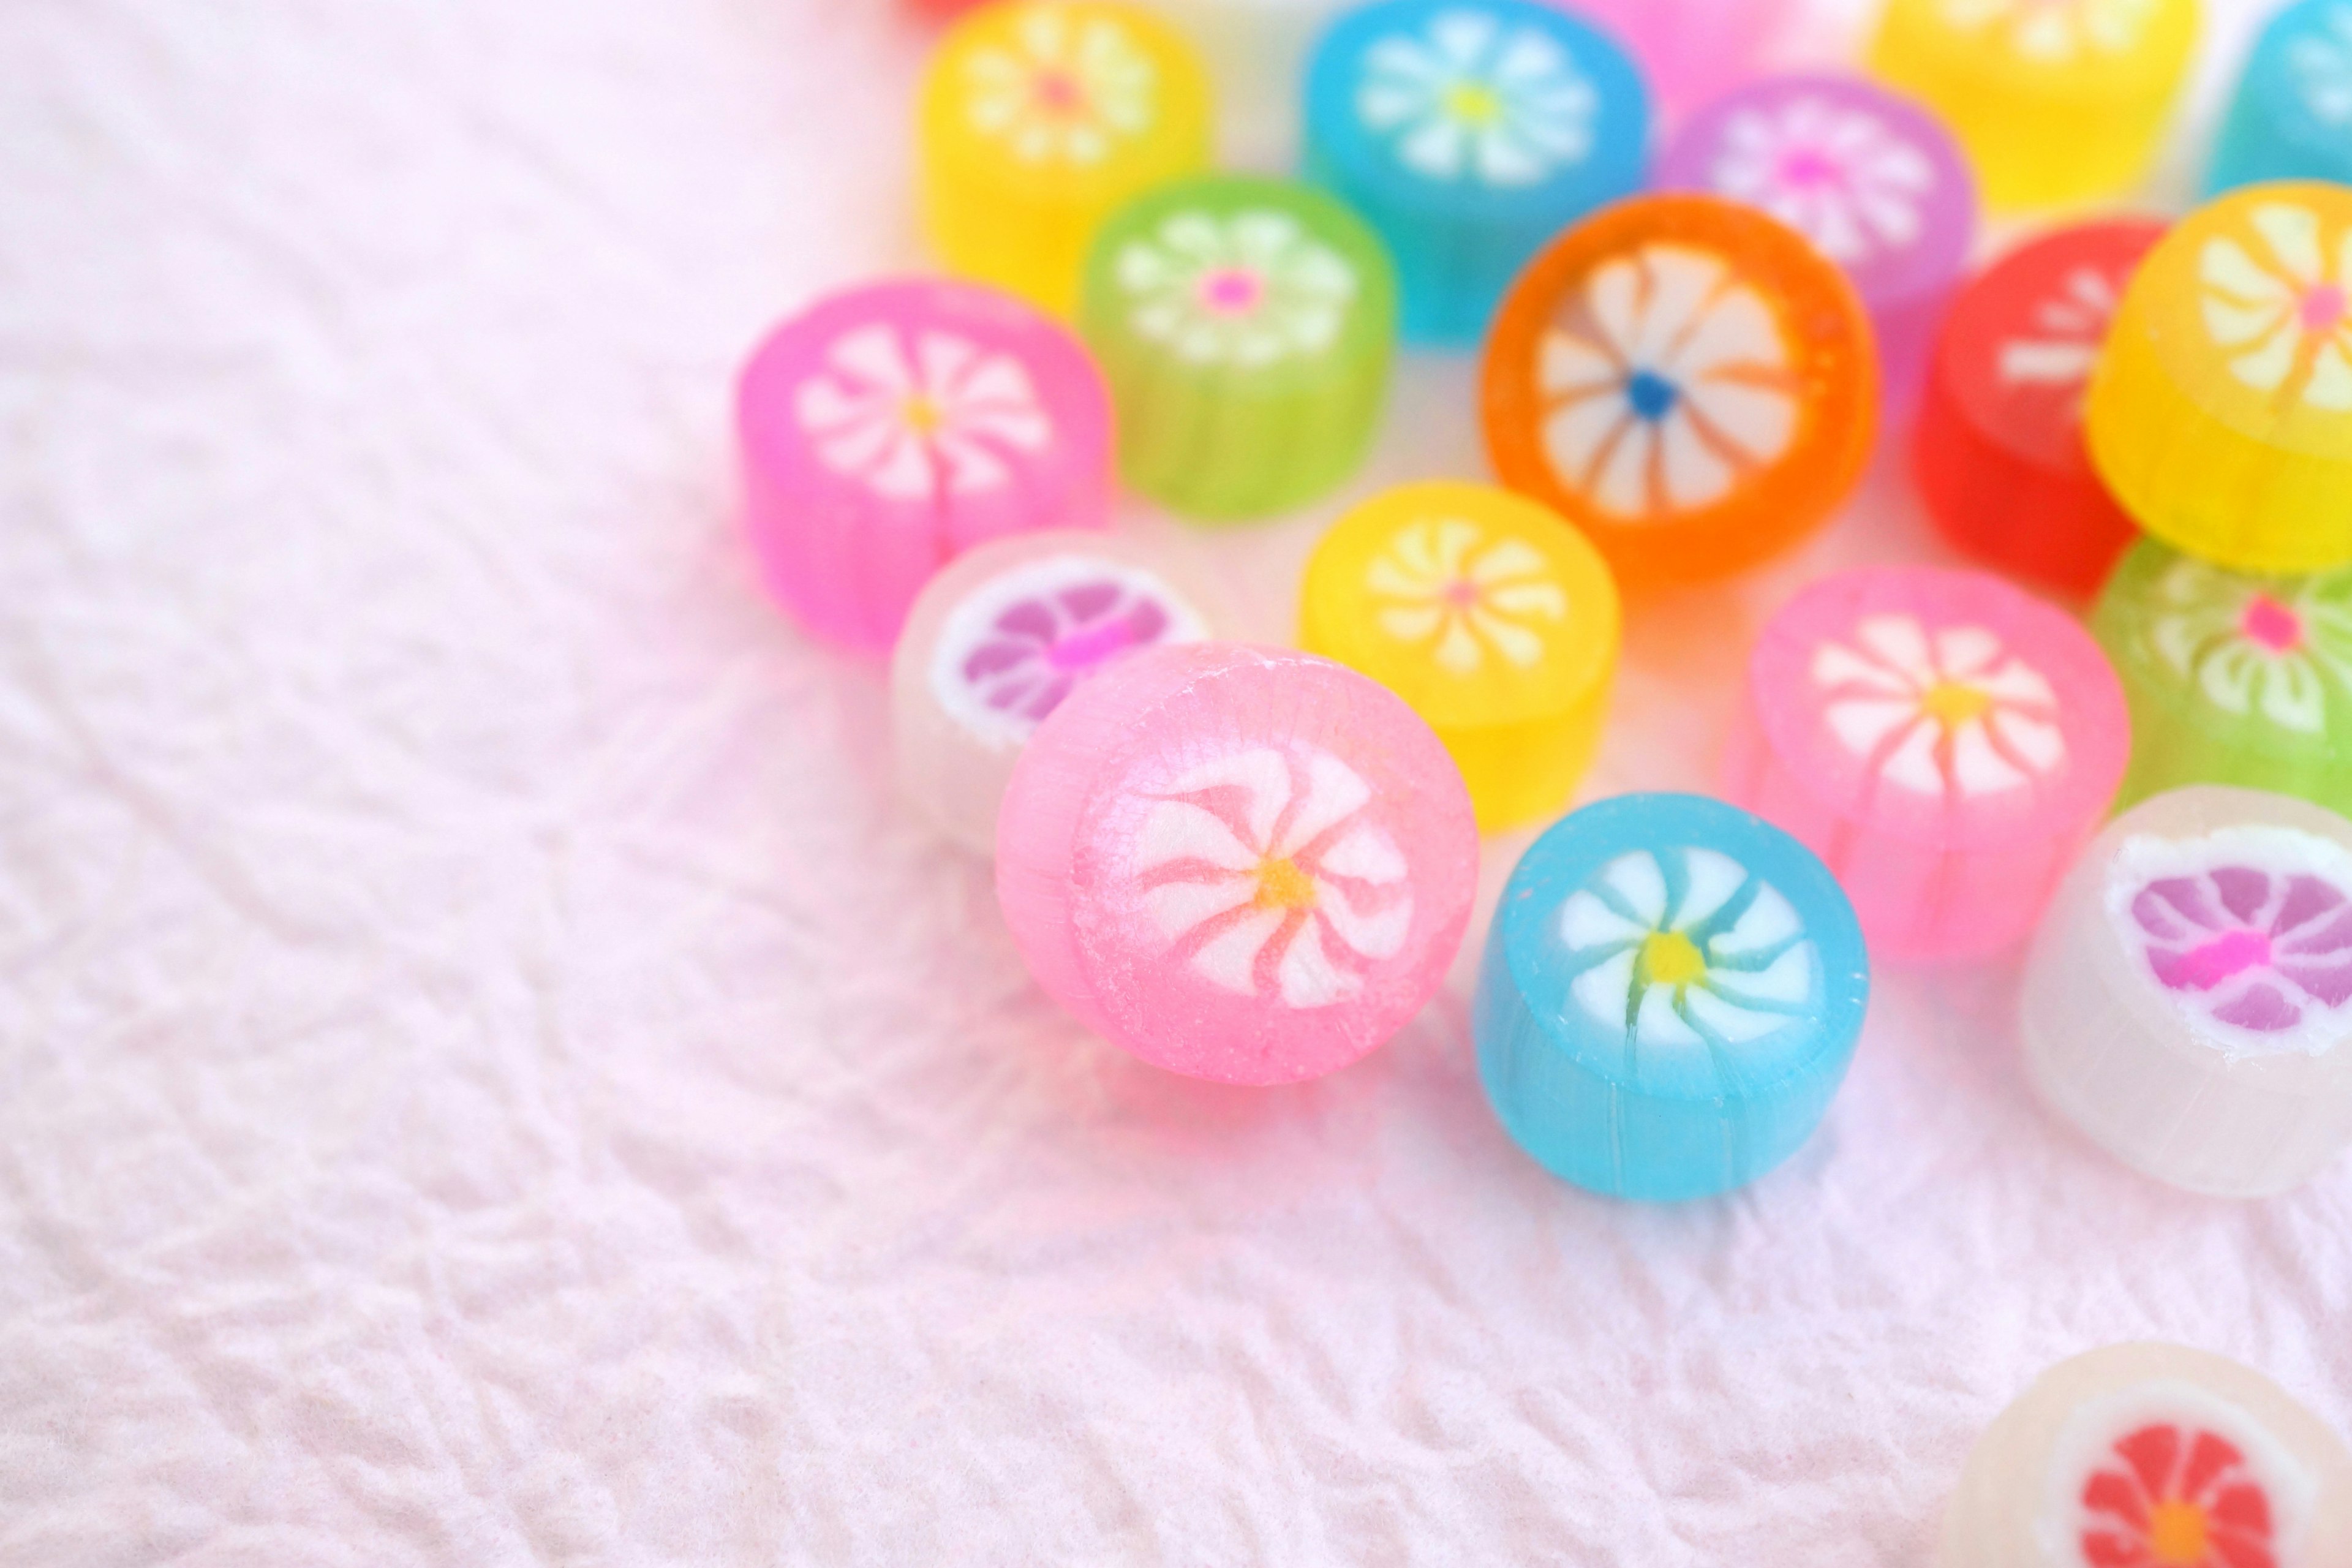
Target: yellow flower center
point(923, 416)
point(1951, 703)
point(2176, 1533)
point(1281, 885)
point(1473, 103)
point(1670, 958)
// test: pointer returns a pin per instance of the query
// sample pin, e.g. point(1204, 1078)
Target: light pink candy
point(1948, 833)
point(1690, 50)
point(851, 506)
point(1131, 843)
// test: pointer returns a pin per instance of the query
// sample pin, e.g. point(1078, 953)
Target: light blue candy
point(1670, 994)
point(1469, 132)
point(2292, 117)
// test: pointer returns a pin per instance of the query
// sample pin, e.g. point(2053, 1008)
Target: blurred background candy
point(2290, 117)
point(1692, 50)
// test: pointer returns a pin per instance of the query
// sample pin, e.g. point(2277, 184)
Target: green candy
point(1245, 327)
point(2234, 678)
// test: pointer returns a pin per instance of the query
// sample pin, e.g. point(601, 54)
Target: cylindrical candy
point(998, 640)
point(1870, 178)
point(1669, 994)
point(1690, 50)
point(2221, 411)
point(1944, 741)
point(1686, 379)
point(2188, 1004)
point(2056, 100)
point(1246, 327)
point(2233, 678)
point(885, 429)
point(1998, 451)
point(1037, 119)
point(1245, 864)
point(2292, 116)
point(2152, 1455)
point(1494, 620)
point(1469, 133)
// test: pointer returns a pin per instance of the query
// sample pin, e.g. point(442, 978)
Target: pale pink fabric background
point(488, 1076)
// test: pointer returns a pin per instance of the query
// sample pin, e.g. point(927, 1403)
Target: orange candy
point(1686, 380)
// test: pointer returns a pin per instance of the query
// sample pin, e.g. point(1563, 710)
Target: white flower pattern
point(1952, 714)
point(940, 416)
point(1471, 97)
point(2320, 61)
point(2051, 32)
point(1248, 288)
point(1266, 874)
point(1066, 89)
point(2253, 644)
point(1666, 382)
point(1844, 178)
point(1443, 580)
point(2070, 326)
point(2282, 306)
point(1682, 948)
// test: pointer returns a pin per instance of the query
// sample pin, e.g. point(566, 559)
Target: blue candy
point(1469, 132)
point(2292, 117)
point(1670, 994)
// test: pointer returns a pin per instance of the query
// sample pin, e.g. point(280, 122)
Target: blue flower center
point(1651, 394)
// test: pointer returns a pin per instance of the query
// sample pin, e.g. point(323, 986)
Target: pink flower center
point(1090, 648)
point(1462, 593)
point(1810, 166)
point(2225, 956)
point(2270, 624)
point(1232, 290)
point(2323, 306)
point(1057, 92)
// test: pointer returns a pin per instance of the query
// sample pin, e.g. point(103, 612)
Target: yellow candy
point(2220, 411)
point(1491, 617)
point(1037, 118)
point(2056, 100)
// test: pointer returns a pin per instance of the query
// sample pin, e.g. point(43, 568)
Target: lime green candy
point(1245, 327)
point(2234, 678)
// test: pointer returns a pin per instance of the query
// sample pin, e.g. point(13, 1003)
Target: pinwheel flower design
point(2171, 1495)
point(1248, 288)
point(1013, 651)
point(1267, 874)
point(2069, 327)
point(2250, 940)
point(1951, 713)
point(2053, 32)
point(2320, 61)
point(1844, 178)
point(2253, 644)
point(1443, 581)
point(1467, 95)
point(1064, 88)
point(914, 421)
point(2278, 299)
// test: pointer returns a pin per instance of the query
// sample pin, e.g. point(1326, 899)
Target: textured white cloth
point(488, 1076)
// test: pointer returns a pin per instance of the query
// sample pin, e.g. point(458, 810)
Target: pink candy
point(892, 428)
point(1945, 742)
point(1691, 49)
point(1238, 863)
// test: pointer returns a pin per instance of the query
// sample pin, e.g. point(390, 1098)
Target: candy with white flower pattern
point(1997, 450)
point(2152, 1455)
point(2188, 1004)
point(2056, 100)
point(1670, 994)
point(1870, 177)
point(2221, 411)
point(1000, 638)
point(1687, 380)
point(1469, 132)
point(1943, 740)
point(1491, 617)
point(2233, 678)
point(886, 429)
point(1246, 327)
point(2292, 116)
point(1037, 119)
point(1245, 864)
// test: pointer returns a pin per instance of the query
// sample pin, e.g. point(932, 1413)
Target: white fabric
point(487, 1075)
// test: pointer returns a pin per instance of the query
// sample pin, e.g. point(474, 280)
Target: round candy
point(1470, 132)
point(1686, 380)
point(2056, 100)
point(1494, 620)
point(2220, 413)
point(1998, 451)
point(1872, 179)
point(1945, 741)
point(1246, 327)
point(998, 640)
point(2152, 1455)
point(2292, 116)
point(889, 427)
point(2188, 1001)
point(1691, 51)
point(2233, 678)
point(1670, 994)
point(1238, 863)
point(1037, 118)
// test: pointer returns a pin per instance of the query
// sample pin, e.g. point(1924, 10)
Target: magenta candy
point(1689, 50)
point(889, 428)
point(1945, 742)
point(1238, 863)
